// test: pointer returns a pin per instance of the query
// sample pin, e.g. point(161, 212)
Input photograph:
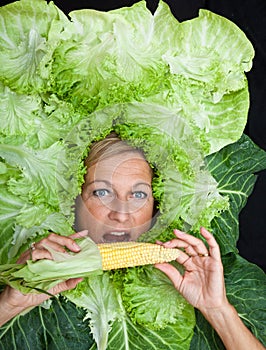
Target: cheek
point(145, 214)
point(96, 210)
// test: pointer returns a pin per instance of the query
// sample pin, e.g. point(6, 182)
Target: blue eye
point(139, 195)
point(101, 193)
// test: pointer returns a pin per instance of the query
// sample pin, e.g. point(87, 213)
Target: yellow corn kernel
point(128, 254)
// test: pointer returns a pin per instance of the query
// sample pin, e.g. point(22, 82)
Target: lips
point(116, 236)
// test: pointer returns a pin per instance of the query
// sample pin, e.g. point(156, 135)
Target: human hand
point(202, 283)
point(59, 243)
point(14, 299)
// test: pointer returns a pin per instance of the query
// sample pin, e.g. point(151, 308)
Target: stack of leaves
point(178, 91)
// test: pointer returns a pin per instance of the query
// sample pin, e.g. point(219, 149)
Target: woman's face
point(116, 203)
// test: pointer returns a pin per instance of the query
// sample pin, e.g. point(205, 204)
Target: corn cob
point(128, 254)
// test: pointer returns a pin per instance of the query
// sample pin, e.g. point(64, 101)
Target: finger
point(174, 243)
point(196, 245)
point(54, 241)
point(80, 234)
point(66, 285)
point(23, 257)
point(58, 243)
point(34, 255)
point(192, 245)
point(191, 251)
point(177, 243)
point(213, 245)
point(172, 273)
point(39, 254)
point(47, 243)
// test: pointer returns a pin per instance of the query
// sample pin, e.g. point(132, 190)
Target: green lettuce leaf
point(45, 274)
point(167, 87)
point(127, 65)
point(108, 298)
point(38, 171)
point(151, 300)
point(11, 206)
point(102, 303)
point(18, 111)
point(30, 30)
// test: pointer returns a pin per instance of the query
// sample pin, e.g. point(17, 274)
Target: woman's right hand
point(14, 301)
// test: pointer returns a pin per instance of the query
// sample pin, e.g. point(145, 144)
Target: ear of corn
point(128, 254)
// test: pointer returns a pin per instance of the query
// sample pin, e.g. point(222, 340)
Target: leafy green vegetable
point(164, 86)
point(30, 31)
point(58, 328)
point(45, 274)
point(157, 309)
point(235, 168)
point(108, 299)
point(103, 304)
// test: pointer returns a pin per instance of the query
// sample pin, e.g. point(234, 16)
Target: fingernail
point(83, 232)
point(179, 233)
point(159, 242)
point(76, 246)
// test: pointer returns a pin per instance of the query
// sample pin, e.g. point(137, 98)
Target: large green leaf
point(235, 168)
point(126, 312)
point(60, 327)
point(127, 335)
point(181, 88)
point(29, 31)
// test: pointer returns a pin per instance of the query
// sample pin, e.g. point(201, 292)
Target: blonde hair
point(110, 146)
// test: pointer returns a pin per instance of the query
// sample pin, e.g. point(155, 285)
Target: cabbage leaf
point(179, 91)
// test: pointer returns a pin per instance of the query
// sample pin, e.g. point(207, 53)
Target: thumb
point(172, 273)
point(66, 285)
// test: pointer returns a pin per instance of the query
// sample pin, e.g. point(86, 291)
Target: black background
point(250, 16)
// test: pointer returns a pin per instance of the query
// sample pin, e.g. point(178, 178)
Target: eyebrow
point(142, 183)
point(108, 183)
point(105, 181)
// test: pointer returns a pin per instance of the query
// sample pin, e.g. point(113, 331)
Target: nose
point(119, 211)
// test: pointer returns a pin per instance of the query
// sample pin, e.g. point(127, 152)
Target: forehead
point(126, 164)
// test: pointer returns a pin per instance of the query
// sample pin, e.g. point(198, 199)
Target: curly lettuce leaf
point(102, 303)
point(29, 31)
point(34, 121)
point(107, 301)
point(18, 111)
point(151, 299)
point(178, 65)
point(11, 206)
point(73, 66)
point(38, 171)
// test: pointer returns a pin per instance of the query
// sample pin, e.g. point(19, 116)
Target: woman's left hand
point(202, 283)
